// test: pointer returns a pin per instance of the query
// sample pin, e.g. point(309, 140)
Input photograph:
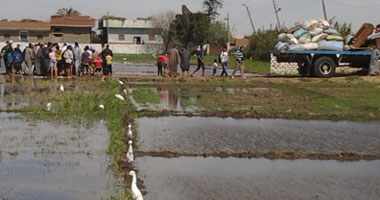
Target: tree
point(191, 28)
point(261, 43)
point(162, 22)
point(67, 12)
point(218, 34)
point(212, 6)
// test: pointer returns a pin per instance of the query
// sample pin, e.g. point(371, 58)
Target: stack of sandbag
point(311, 35)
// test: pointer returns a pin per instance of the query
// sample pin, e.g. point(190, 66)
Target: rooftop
point(24, 25)
point(79, 21)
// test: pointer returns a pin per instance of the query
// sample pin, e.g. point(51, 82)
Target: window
point(55, 29)
point(151, 37)
point(7, 36)
point(23, 36)
point(121, 37)
point(40, 37)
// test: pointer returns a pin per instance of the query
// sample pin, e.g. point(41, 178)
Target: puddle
point(46, 161)
point(201, 135)
point(231, 178)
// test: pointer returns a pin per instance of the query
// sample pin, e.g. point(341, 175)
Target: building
point(25, 31)
point(59, 29)
point(119, 30)
point(71, 28)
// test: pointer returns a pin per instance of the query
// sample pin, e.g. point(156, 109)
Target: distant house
point(71, 28)
point(25, 31)
point(119, 30)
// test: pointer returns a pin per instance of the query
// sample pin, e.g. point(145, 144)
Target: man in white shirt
point(224, 61)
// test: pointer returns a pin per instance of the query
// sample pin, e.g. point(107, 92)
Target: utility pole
point(276, 10)
point(108, 27)
point(228, 27)
point(250, 17)
point(324, 9)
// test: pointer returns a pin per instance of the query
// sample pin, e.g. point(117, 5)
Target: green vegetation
point(145, 96)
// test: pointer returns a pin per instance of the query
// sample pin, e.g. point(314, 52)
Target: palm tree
point(67, 12)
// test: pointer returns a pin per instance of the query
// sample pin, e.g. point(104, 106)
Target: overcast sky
point(354, 11)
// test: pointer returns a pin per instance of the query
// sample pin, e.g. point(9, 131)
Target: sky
point(292, 11)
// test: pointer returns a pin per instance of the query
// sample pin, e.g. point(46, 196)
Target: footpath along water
point(199, 135)
point(39, 160)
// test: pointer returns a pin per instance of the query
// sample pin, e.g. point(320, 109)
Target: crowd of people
point(167, 64)
point(52, 60)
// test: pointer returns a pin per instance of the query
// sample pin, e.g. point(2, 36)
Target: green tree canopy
point(212, 6)
point(191, 28)
point(67, 12)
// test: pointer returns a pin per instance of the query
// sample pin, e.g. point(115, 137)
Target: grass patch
point(145, 96)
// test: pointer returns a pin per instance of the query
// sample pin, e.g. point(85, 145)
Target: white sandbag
point(296, 47)
point(331, 31)
point(331, 45)
point(283, 37)
point(281, 46)
point(323, 24)
point(304, 40)
point(319, 37)
point(374, 36)
point(299, 33)
point(293, 41)
point(316, 31)
point(310, 46)
point(310, 24)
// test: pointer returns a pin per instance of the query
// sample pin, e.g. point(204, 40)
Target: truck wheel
point(324, 67)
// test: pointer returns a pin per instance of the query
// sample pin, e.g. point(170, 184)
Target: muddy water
point(226, 179)
point(208, 135)
point(46, 161)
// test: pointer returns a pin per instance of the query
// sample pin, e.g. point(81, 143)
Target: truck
point(322, 64)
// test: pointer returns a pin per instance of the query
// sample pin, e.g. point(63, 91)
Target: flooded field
point(40, 160)
point(202, 135)
point(247, 179)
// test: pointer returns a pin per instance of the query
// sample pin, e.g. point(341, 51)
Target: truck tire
point(324, 67)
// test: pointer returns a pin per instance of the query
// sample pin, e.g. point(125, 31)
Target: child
point(109, 63)
point(98, 65)
point(215, 67)
point(53, 63)
point(161, 64)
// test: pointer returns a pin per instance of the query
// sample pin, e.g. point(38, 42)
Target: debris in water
point(49, 106)
point(32, 123)
point(62, 88)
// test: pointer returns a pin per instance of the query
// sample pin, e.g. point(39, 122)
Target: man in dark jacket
point(185, 61)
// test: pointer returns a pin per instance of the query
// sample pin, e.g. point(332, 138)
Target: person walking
point(239, 62)
point(374, 67)
point(77, 54)
point(27, 65)
point(224, 60)
point(185, 61)
point(162, 63)
point(201, 61)
point(173, 61)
